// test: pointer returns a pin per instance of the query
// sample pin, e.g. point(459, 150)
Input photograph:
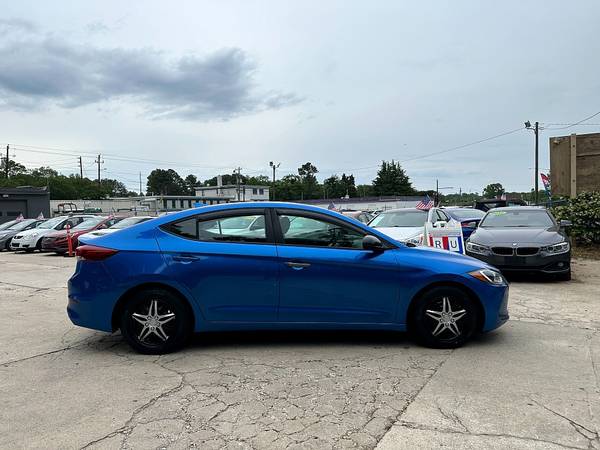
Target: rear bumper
point(536, 263)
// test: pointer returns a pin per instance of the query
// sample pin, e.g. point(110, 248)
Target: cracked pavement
point(534, 383)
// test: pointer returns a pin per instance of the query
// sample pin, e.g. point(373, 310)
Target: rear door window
point(248, 228)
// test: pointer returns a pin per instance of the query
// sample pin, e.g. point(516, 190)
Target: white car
point(31, 240)
point(127, 222)
point(408, 224)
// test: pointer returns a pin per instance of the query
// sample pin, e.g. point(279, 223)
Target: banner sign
point(448, 237)
point(546, 182)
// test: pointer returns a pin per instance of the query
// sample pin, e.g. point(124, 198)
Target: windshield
point(513, 218)
point(89, 223)
point(470, 213)
point(6, 225)
point(21, 225)
point(408, 218)
point(51, 223)
point(128, 222)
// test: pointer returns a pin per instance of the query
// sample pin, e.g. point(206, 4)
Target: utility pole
point(536, 131)
point(537, 160)
point(140, 184)
point(80, 168)
point(274, 166)
point(6, 162)
point(99, 161)
point(437, 192)
point(239, 170)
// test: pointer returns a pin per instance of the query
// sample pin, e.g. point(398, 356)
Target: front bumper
point(54, 245)
point(23, 243)
point(554, 264)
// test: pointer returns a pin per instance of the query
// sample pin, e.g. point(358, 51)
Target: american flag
point(331, 206)
point(426, 203)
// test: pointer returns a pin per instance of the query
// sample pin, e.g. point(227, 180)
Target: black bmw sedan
point(522, 238)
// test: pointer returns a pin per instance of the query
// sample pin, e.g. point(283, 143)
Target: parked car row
point(511, 238)
point(51, 234)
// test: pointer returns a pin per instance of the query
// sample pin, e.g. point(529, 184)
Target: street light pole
point(537, 162)
point(274, 166)
point(536, 131)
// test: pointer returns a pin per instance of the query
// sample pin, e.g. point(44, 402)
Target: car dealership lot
point(533, 383)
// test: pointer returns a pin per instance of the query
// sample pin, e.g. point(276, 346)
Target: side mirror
point(372, 243)
point(439, 224)
point(565, 223)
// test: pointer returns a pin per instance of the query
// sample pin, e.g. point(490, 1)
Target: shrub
point(584, 213)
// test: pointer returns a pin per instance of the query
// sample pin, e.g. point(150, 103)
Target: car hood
point(37, 231)
point(510, 236)
point(400, 233)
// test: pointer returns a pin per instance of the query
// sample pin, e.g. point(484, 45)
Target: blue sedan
point(250, 266)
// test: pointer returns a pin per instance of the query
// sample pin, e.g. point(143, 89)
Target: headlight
point(416, 240)
point(34, 235)
point(489, 276)
point(479, 249)
point(556, 249)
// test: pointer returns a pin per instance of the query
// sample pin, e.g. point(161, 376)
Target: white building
point(246, 193)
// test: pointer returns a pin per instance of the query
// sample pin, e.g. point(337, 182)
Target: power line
point(576, 123)
point(110, 156)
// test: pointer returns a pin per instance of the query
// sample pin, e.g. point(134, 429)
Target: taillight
point(93, 253)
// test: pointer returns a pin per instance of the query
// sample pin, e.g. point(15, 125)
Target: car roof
point(179, 215)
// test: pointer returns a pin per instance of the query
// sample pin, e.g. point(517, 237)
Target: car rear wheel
point(445, 317)
point(155, 321)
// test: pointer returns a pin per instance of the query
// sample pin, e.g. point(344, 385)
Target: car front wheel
point(155, 321)
point(445, 317)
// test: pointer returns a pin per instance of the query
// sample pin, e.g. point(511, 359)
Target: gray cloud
point(37, 71)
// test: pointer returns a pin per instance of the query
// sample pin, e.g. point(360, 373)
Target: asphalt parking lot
point(534, 383)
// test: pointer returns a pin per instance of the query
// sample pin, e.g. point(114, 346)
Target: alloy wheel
point(445, 320)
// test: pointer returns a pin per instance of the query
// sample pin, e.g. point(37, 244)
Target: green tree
point(14, 168)
point(165, 182)
point(190, 183)
point(493, 190)
point(289, 187)
point(392, 180)
point(308, 177)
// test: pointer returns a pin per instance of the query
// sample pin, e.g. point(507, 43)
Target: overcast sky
point(209, 86)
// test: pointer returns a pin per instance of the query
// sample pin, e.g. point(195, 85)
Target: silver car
point(7, 234)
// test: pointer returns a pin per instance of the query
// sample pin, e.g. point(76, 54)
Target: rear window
point(408, 218)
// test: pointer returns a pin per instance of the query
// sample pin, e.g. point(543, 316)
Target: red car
point(57, 242)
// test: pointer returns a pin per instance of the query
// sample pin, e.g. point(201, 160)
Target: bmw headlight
point(489, 276)
point(479, 249)
point(556, 249)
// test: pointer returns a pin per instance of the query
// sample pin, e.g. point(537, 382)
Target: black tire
point(442, 332)
point(38, 245)
point(176, 329)
point(7, 245)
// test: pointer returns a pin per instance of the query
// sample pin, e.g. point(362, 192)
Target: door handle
point(297, 265)
point(184, 258)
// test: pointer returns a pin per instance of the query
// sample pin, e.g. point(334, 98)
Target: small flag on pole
point(41, 216)
point(331, 206)
point(426, 203)
point(20, 217)
point(503, 196)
